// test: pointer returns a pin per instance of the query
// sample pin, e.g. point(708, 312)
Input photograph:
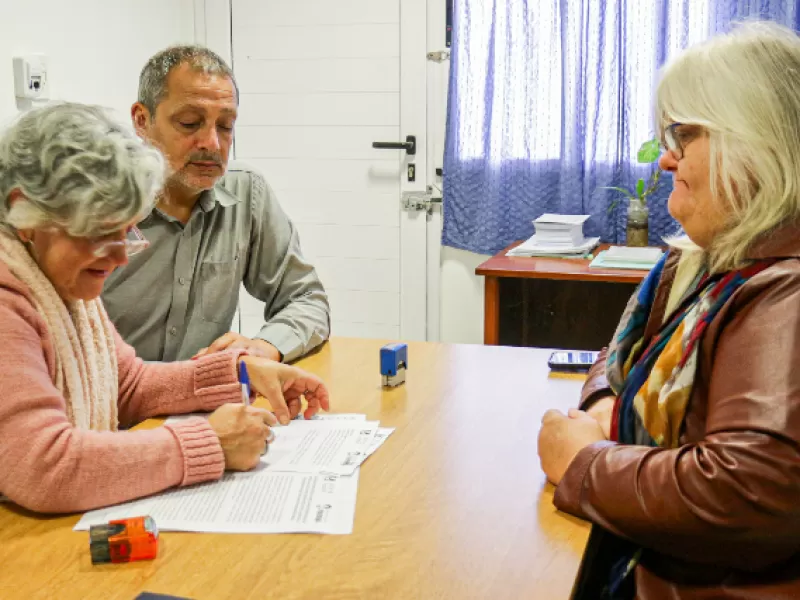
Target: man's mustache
point(205, 157)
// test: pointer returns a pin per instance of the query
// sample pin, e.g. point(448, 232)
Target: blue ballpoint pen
point(244, 379)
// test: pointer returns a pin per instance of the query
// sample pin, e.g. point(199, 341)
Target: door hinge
point(419, 201)
point(440, 56)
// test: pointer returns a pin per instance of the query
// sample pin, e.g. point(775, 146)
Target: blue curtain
point(549, 102)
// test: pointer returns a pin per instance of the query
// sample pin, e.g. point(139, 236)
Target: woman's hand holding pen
point(243, 432)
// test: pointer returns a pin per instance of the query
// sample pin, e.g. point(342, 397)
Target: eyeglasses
point(677, 136)
point(671, 140)
point(133, 244)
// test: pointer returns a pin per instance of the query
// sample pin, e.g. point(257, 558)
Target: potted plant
point(637, 228)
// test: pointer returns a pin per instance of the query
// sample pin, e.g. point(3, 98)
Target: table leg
point(491, 312)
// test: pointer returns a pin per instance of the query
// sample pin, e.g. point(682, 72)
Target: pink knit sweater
point(47, 465)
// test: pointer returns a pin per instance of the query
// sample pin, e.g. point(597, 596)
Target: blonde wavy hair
point(743, 88)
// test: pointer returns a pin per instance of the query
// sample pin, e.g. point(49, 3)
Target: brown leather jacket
point(718, 517)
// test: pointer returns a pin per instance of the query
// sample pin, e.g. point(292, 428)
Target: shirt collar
point(216, 195)
point(206, 202)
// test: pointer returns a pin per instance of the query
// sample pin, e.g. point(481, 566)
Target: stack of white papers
point(307, 482)
point(564, 230)
point(556, 235)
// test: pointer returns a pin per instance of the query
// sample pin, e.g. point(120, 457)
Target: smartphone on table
point(572, 361)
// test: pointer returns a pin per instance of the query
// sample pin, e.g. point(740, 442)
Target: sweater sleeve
point(47, 465)
point(152, 389)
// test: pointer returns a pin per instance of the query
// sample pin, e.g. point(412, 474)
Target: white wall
point(319, 82)
point(461, 316)
point(96, 48)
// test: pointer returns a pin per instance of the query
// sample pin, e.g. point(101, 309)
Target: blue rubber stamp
point(394, 362)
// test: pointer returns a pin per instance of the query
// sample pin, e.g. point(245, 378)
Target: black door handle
point(410, 145)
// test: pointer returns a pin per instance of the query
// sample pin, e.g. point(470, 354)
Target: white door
point(320, 81)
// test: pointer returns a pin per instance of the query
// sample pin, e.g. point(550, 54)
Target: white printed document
point(358, 459)
point(257, 501)
point(332, 417)
point(325, 446)
point(331, 444)
point(306, 483)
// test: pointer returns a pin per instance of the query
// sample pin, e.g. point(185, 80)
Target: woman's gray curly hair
point(79, 169)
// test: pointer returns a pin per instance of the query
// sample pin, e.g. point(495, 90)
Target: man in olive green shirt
point(211, 230)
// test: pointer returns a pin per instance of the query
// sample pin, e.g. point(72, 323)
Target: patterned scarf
point(83, 342)
point(653, 378)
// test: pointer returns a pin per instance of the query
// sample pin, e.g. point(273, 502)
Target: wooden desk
point(553, 302)
point(454, 505)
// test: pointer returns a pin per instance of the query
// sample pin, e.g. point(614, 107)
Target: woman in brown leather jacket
point(686, 451)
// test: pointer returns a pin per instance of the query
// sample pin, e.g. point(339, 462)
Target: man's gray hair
point(153, 79)
point(78, 169)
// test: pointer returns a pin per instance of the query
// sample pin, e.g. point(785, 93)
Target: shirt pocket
point(219, 291)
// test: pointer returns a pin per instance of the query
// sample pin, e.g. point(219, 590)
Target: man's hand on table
point(285, 386)
point(232, 340)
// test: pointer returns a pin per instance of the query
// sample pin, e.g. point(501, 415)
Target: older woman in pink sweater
point(73, 182)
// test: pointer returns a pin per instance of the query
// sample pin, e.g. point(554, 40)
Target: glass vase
point(637, 230)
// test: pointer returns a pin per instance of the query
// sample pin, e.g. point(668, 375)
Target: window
point(531, 71)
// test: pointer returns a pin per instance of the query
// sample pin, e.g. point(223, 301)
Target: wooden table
point(553, 302)
point(454, 505)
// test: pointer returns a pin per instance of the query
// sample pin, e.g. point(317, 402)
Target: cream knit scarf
point(83, 341)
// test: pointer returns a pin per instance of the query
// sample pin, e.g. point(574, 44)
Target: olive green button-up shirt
point(181, 293)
